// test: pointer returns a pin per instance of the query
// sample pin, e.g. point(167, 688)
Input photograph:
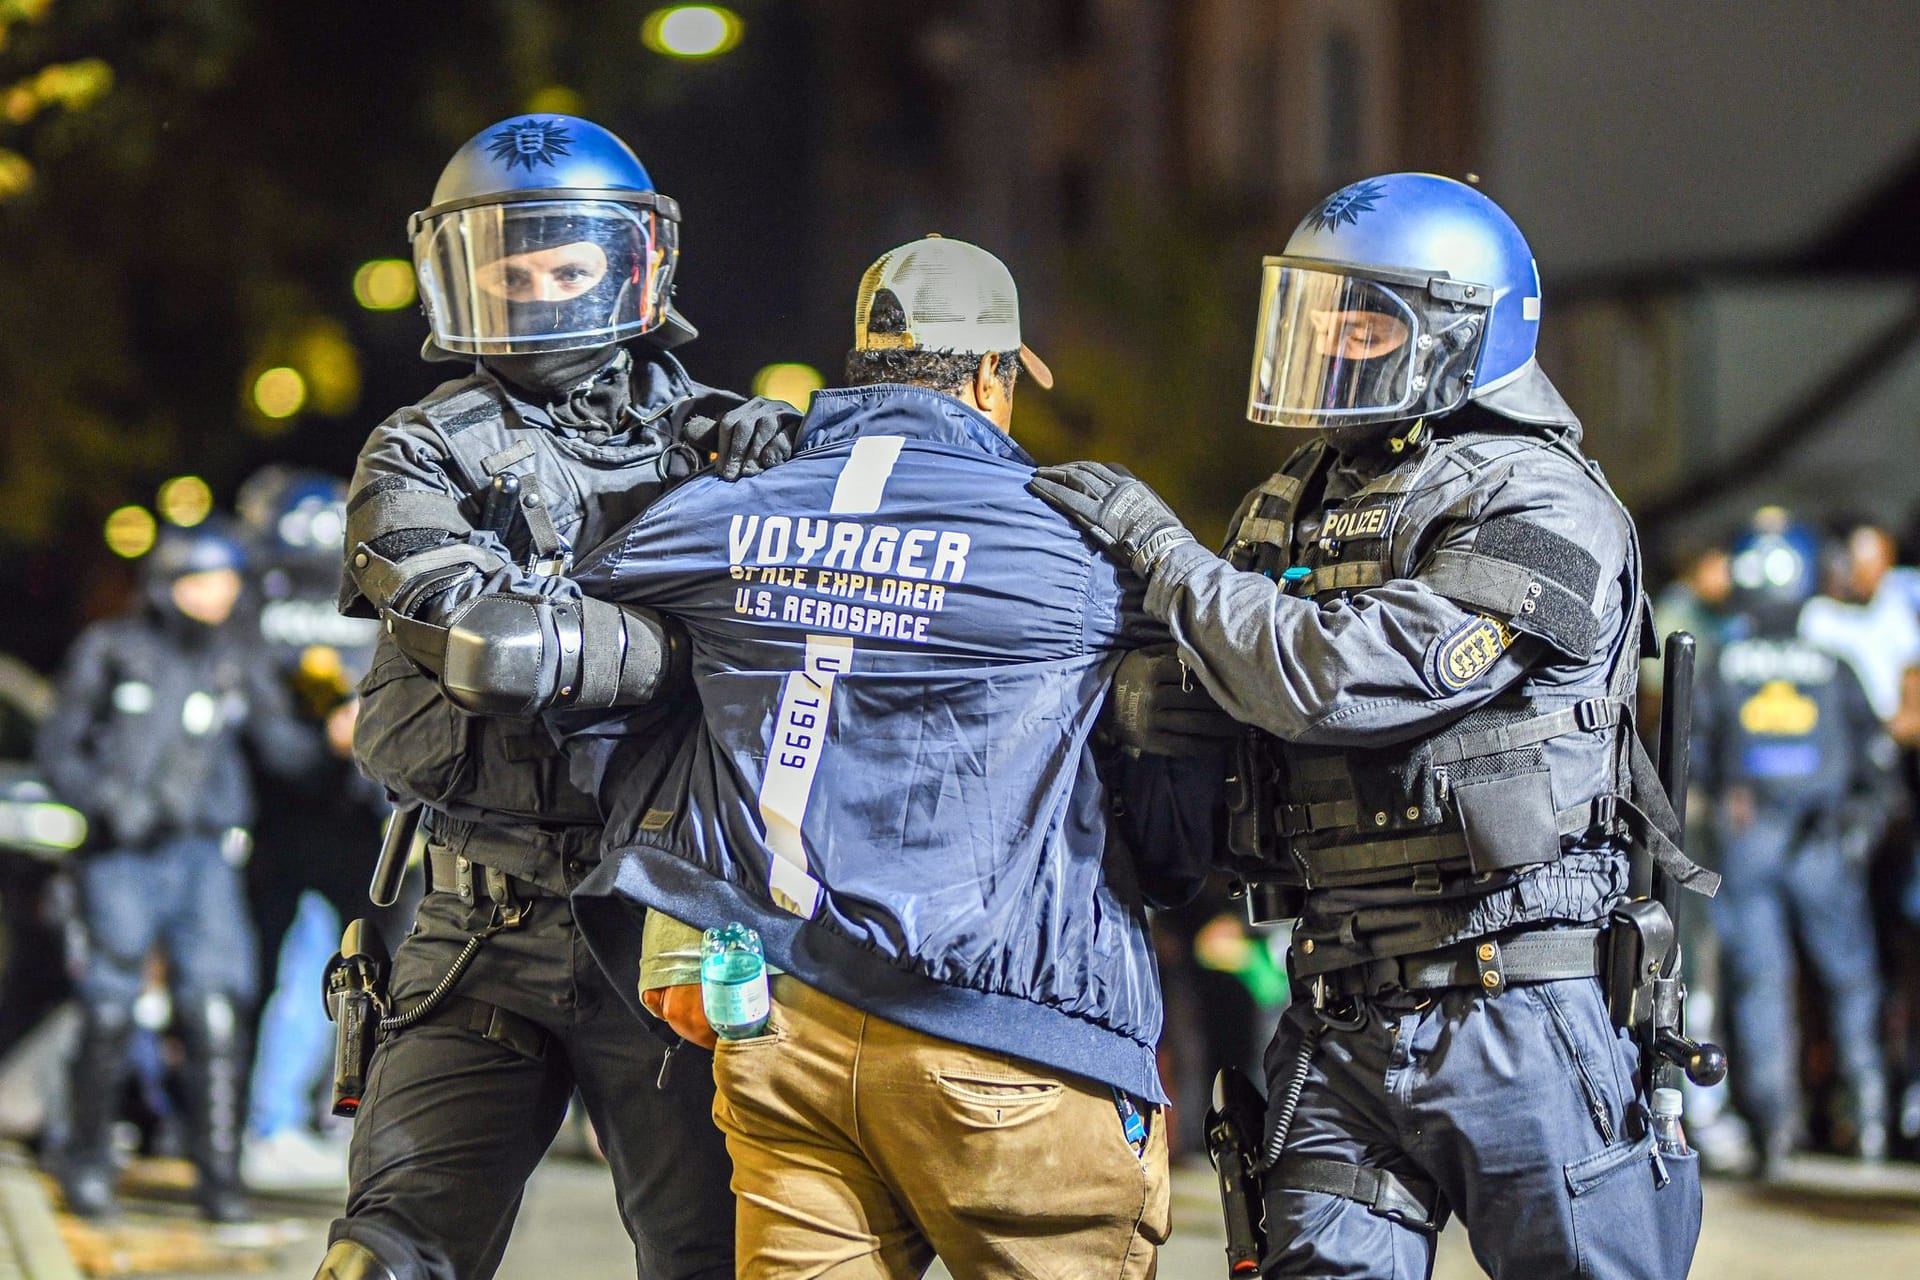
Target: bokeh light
point(384, 284)
point(326, 359)
point(691, 30)
point(185, 501)
point(131, 531)
point(279, 392)
point(794, 383)
point(556, 100)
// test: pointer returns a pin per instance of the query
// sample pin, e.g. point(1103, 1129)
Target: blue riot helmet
point(1776, 567)
point(545, 234)
point(211, 546)
point(207, 547)
point(1400, 297)
point(294, 513)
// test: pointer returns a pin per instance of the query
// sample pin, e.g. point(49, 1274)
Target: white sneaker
point(293, 1160)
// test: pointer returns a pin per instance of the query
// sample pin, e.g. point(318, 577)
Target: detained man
point(901, 655)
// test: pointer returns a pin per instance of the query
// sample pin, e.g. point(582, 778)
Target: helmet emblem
point(1346, 205)
point(531, 142)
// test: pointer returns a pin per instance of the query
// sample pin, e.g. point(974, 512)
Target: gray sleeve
point(410, 547)
point(1373, 666)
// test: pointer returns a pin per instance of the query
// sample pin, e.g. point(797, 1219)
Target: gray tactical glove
point(748, 439)
point(1157, 708)
point(1127, 519)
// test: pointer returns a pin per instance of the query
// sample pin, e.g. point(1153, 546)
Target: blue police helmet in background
point(1775, 567)
point(294, 511)
point(207, 547)
point(546, 234)
point(1400, 297)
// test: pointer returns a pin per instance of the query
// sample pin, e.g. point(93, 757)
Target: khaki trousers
point(862, 1149)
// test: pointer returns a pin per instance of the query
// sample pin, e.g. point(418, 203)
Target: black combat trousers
point(452, 1123)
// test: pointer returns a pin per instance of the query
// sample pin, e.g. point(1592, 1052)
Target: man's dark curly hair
point(942, 371)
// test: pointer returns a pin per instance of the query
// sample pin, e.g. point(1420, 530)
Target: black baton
point(395, 848)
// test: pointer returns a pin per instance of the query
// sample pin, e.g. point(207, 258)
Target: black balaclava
point(582, 390)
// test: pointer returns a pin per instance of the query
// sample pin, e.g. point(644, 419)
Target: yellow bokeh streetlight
point(794, 383)
point(279, 392)
point(131, 531)
point(384, 284)
point(691, 30)
point(185, 501)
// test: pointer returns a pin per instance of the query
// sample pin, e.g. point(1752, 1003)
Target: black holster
point(1234, 1124)
point(356, 996)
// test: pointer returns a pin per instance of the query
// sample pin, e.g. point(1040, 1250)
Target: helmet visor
point(1335, 350)
point(547, 275)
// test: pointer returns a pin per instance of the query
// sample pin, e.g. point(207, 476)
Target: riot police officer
point(308, 873)
point(1801, 772)
point(547, 260)
point(146, 739)
point(1430, 619)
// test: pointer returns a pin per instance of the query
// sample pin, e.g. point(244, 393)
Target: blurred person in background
point(1871, 616)
point(316, 830)
point(146, 739)
point(1800, 771)
point(546, 263)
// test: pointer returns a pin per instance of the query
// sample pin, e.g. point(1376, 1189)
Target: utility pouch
point(1641, 951)
point(356, 997)
point(1250, 830)
point(1234, 1123)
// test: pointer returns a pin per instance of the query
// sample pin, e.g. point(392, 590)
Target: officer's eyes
point(574, 273)
point(516, 278)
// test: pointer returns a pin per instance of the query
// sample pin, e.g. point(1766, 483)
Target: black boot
point(86, 1168)
point(216, 1076)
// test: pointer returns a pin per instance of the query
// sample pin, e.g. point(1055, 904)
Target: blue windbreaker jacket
point(900, 654)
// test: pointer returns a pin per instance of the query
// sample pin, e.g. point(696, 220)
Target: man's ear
point(987, 390)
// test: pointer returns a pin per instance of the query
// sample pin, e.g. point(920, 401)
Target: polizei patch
point(1468, 650)
point(1360, 522)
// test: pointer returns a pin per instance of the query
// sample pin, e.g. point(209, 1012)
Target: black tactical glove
point(1123, 515)
point(749, 439)
point(1157, 708)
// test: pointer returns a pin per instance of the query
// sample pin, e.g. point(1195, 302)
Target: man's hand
point(682, 1009)
point(748, 440)
point(1157, 708)
point(1125, 517)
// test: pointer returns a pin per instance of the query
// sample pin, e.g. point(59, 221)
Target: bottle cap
point(1667, 1102)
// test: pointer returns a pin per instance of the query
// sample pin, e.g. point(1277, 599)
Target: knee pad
point(351, 1260)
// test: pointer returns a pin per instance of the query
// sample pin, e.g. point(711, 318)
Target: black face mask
point(549, 374)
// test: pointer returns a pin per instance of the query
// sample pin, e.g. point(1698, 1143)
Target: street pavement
point(1830, 1218)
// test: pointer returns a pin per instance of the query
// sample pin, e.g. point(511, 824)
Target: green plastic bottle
point(733, 981)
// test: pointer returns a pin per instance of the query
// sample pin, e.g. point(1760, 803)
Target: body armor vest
point(1541, 768)
point(564, 494)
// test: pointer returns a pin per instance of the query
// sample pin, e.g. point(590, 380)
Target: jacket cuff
point(1173, 572)
point(669, 952)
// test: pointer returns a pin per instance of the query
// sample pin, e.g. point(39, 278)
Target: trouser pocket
point(1626, 1225)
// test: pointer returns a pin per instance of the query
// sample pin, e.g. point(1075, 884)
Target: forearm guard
point(510, 655)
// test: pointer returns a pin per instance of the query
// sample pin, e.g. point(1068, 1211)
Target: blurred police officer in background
point(1432, 619)
point(546, 260)
point(146, 740)
point(309, 870)
point(1802, 775)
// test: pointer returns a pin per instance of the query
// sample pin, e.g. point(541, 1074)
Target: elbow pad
point(513, 655)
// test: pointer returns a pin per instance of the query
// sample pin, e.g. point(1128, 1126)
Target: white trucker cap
point(958, 299)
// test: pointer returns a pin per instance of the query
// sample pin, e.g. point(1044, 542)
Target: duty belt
point(457, 873)
point(1490, 964)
